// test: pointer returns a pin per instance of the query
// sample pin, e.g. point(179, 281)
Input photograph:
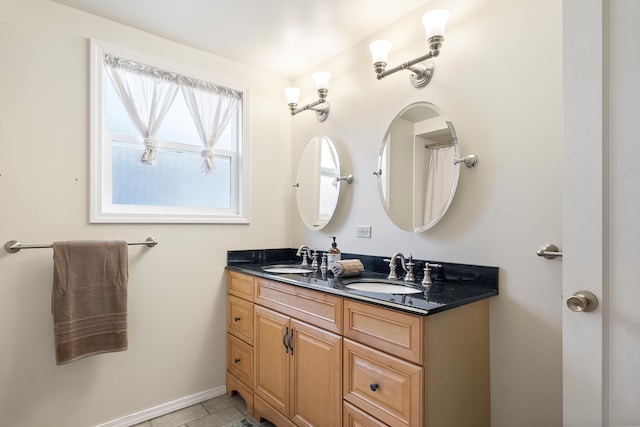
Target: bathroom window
point(168, 143)
point(329, 170)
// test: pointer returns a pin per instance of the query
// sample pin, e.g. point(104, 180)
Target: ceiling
point(286, 37)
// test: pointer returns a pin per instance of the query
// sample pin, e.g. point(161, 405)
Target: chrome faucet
point(304, 252)
point(426, 280)
point(409, 269)
point(314, 261)
point(392, 265)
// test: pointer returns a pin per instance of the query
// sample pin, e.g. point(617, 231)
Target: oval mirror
point(417, 176)
point(317, 185)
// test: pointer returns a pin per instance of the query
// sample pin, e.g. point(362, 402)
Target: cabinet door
point(272, 358)
point(315, 376)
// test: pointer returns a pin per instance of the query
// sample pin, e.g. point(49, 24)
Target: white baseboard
point(165, 408)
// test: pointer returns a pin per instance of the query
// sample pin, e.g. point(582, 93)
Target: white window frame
point(101, 208)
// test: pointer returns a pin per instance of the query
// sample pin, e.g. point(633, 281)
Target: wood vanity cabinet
point(298, 368)
point(409, 370)
point(324, 361)
point(295, 344)
point(240, 354)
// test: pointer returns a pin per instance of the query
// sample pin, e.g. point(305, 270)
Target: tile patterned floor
point(216, 412)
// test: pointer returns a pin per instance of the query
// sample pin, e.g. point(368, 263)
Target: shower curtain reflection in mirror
point(438, 179)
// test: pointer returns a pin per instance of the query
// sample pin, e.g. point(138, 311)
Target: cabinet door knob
point(236, 360)
point(236, 319)
point(373, 386)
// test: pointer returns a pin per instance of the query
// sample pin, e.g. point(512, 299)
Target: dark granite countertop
point(453, 284)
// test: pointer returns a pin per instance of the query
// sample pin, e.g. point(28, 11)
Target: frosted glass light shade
point(292, 94)
point(380, 51)
point(322, 79)
point(435, 21)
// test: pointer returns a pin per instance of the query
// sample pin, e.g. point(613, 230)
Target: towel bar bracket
point(13, 246)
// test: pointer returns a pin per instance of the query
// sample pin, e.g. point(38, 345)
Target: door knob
point(582, 301)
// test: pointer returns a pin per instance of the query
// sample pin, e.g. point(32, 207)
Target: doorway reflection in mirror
point(417, 173)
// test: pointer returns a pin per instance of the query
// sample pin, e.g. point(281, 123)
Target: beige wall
point(176, 290)
point(498, 79)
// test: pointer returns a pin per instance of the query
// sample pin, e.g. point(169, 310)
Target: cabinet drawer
point(240, 285)
point(399, 334)
point(240, 318)
point(354, 417)
point(240, 360)
point(386, 387)
point(317, 308)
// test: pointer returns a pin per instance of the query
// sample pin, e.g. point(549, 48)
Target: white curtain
point(212, 108)
point(439, 179)
point(146, 94)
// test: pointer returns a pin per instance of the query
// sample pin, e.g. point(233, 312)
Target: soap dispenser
point(333, 253)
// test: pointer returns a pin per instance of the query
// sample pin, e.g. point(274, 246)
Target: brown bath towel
point(347, 268)
point(89, 299)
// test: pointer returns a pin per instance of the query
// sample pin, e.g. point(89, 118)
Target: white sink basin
point(285, 270)
point(382, 287)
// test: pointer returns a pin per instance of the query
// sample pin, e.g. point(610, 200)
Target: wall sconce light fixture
point(434, 23)
point(321, 106)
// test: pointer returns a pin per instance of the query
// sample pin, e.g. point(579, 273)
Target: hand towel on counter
point(347, 268)
point(89, 298)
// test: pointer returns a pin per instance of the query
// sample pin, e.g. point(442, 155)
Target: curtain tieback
point(208, 163)
point(207, 152)
point(150, 154)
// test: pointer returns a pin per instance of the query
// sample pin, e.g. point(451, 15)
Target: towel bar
point(13, 246)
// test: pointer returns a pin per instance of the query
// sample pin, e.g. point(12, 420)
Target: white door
point(601, 211)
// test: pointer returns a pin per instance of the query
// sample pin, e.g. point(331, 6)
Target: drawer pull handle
point(236, 360)
point(236, 319)
point(373, 386)
point(284, 340)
